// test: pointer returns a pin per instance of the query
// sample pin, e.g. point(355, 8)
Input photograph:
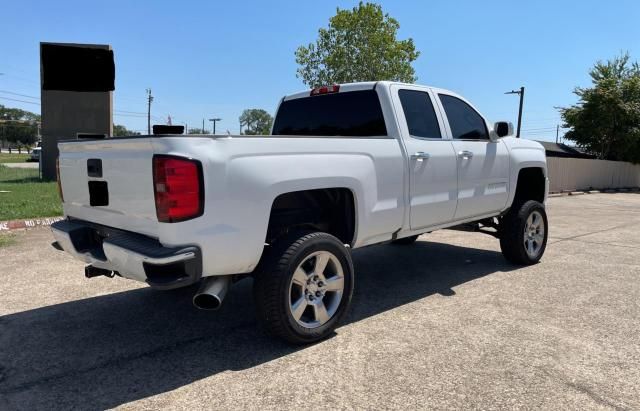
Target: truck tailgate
point(110, 182)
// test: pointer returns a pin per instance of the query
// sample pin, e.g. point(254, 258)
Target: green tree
point(196, 131)
point(121, 131)
point(606, 119)
point(359, 45)
point(18, 127)
point(256, 121)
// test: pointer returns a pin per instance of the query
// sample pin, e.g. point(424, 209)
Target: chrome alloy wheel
point(316, 289)
point(534, 234)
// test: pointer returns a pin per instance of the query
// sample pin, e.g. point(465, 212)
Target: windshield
point(349, 114)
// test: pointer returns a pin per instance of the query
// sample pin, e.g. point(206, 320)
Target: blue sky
point(213, 58)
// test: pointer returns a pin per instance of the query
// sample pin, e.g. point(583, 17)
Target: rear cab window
point(348, 114)
point(419, 113)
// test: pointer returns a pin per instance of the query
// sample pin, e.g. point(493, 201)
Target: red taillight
point(178, 188)
point(325, 90)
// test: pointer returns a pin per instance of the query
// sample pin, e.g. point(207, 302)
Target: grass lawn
point(13, 158)
point(27, 196)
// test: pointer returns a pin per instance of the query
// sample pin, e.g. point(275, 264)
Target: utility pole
point(557, 132)
point(214, 120)
point(521, 93)
point(149, 99)
point(203, 132)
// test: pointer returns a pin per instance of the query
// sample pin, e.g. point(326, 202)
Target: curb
point(581, 192)
point(30, 223)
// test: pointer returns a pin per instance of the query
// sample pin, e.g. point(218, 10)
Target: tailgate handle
point(94, 167)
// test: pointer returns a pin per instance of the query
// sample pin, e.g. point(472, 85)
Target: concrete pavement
point(445, 323)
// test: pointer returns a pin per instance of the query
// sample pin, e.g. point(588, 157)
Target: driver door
point(482, 164)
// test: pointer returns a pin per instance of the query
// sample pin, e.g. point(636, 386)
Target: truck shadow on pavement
point(109, 350)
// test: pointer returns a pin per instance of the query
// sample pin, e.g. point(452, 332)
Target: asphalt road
point(445, 323)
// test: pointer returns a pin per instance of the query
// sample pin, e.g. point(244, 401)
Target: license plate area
point(98, 193)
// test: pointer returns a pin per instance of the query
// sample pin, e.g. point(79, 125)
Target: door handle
point(465, 154)
point(420, 156)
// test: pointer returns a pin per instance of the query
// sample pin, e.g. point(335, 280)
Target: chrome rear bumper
point(131, 255)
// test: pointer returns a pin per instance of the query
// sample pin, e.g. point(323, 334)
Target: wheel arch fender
point(525, 154)
point(292, 186)
point(515, 177)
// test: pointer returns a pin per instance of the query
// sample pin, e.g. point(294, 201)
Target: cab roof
point(363, 85)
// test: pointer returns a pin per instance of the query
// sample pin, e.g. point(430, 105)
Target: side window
point(464, 121)
point(420, 115)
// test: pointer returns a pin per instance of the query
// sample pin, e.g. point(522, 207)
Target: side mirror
point(503, 128)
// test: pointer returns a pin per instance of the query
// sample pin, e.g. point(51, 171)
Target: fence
point(19, 150)
point(567, 174)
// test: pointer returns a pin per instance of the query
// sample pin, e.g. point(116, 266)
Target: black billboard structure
point(77, 83)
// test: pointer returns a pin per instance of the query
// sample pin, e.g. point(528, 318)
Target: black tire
point(512, 233)
point(406, 240)
point(274, 287)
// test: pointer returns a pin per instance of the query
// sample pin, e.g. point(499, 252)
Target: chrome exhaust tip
point(212, 292)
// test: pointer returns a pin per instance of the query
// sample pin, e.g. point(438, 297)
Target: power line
point(130, 112)
point(37, 98)
point(118, 113)
point(539, 128)
point(129, 115)
point(543, 126)
point(121, 97)
point(547, 123)
point(22, 101)
point(21, 78)
point(18, 94)
point(543, 120)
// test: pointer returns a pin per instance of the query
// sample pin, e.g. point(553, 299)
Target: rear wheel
point(406, 240)
point(304, 287)
point(524, 232)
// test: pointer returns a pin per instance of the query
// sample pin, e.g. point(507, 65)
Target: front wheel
point(304, 287)
point(523, 233)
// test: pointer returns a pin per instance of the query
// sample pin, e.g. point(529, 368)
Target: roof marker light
point(325, 90)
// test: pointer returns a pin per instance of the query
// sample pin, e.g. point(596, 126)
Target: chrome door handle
point(420, 155)
point(465, 154)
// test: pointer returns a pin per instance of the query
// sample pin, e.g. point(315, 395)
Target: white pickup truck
point(346, 166)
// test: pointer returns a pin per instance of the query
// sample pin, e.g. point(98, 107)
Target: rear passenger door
point(431, 158)
point(483, 165)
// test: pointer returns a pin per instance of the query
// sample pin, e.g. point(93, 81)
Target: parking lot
point(445, 323)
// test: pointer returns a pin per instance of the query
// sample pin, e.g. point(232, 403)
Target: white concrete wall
point(582, 174)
